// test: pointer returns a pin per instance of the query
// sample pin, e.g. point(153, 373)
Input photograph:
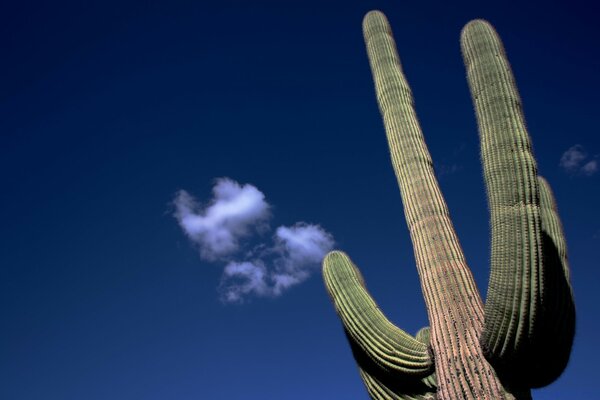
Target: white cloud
point(228, 223)
point(576, 161)
point(304, 243)
point(218, 228)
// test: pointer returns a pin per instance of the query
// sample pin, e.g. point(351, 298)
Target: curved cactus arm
point(370, 333)
point(516, 312)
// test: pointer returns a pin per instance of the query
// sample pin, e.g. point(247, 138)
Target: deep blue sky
point(108, 108)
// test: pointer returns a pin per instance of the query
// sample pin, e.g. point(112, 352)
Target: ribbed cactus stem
point(510, 173)
point(453, 303)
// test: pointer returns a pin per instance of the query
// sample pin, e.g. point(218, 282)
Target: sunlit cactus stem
point(521, 338)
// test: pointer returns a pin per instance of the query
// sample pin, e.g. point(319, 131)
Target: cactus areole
point(521, 337)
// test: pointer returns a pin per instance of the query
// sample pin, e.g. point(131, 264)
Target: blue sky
point(108, 110)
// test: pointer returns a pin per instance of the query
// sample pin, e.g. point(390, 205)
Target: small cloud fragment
point(575, 161)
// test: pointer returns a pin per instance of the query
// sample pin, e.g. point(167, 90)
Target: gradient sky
point(108, 109)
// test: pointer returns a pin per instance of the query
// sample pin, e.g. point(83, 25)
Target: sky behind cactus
point(110, 112)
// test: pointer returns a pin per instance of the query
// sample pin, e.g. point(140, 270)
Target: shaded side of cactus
point(521, 338)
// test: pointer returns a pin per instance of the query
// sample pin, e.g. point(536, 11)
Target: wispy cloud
point(576, 161)
point(231, 222)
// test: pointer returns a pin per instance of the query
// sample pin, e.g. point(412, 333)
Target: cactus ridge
point(471, 351)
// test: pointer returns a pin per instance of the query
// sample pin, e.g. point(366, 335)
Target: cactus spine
point(521, 338)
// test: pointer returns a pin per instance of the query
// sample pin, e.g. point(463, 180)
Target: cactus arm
point(516, 312)
point(389, 347)
point(510, 175)
point(392, 364)
point(453, 303)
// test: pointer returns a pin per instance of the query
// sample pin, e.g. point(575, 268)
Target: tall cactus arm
point(516, 309)
point(510, 174)
point(453, 303)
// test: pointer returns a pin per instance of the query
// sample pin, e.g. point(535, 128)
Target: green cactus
point(521, 338)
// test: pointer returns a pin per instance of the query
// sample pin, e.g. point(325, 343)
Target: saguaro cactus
point(521, 338)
